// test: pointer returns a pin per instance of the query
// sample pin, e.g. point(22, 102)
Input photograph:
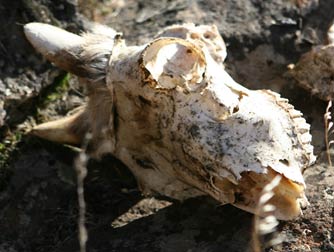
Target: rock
point(315, 72)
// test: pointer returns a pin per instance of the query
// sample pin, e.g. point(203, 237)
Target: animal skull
point(173, 115)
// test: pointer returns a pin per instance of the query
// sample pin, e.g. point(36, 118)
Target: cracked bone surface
point(174, 116)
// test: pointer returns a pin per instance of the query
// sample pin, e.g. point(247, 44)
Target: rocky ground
point(38, 205)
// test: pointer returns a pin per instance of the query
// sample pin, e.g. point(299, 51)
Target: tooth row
point(301, 127)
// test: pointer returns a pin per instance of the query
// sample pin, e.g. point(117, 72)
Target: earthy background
point(38, 205)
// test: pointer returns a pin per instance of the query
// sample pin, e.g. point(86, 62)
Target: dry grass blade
point(328, 131)
point(81, 169)
point(265, 222)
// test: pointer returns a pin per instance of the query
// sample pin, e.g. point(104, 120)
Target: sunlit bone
point(173, 115)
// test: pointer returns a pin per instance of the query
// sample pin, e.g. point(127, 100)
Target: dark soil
point(38, 204)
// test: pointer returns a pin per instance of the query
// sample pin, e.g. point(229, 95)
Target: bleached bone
point(173, 115)
point(202, 35)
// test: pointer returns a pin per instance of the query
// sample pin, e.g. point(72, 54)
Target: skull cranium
point(173, 115)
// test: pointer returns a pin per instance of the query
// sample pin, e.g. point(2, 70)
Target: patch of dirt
point(23, 73)
point(39, 207)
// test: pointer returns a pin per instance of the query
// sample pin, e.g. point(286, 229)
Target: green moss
point(50, 95)
point(57, 90)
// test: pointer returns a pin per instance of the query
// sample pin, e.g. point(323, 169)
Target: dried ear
point(68, 130)
point(172, 61)
point(85, 56)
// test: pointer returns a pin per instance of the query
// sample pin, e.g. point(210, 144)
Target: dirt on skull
point(38, 204)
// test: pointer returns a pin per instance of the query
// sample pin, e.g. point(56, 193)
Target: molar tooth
point(299, 121)
point(306, 138)
point(295, 114)
point(309, 148)
point(283, 100)
point(305, 128)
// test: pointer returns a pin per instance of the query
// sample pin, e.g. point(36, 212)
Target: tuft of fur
point(96, 51)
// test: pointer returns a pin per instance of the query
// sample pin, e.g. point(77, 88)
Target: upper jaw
point(244, 132)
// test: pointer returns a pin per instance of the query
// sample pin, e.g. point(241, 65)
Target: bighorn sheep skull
point(173, 115)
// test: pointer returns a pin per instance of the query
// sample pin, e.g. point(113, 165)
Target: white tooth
point(295, 113)
point(300, 121)
point(305, 138)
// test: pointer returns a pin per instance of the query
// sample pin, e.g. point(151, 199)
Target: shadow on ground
point(40, 210)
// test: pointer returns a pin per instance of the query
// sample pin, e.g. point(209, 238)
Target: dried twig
point(328, 131)
point(81, 169)
point(265, 222)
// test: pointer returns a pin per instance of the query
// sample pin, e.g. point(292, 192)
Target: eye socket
point(174, 62)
